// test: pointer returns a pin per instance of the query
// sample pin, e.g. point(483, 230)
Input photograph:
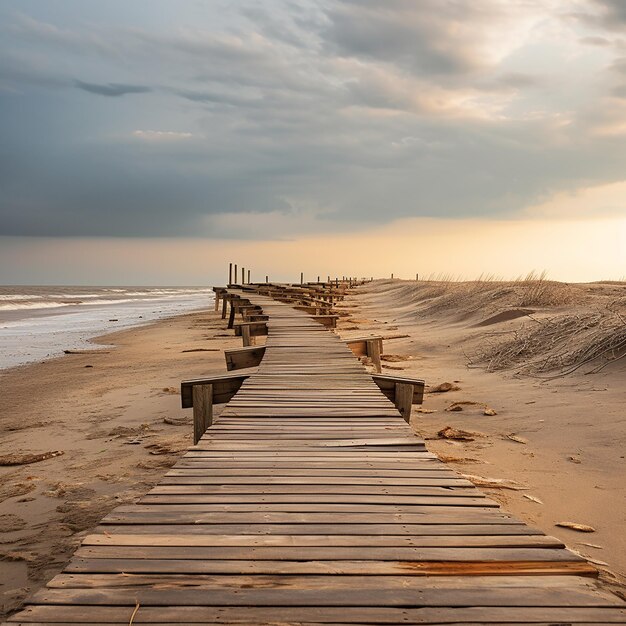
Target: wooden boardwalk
point(310, 501)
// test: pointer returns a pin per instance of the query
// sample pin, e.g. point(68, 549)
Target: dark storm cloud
point(112, 90)
point(614, 12)
point(424, 36)
point(605, 14)
point(354, 112)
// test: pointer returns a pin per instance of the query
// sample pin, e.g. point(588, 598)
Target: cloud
point(432, 37)
point(587, 203)
point(316, 116)
point(112, 90)
point(596, 41)
point(609, 15)
point(613, 12)
point(160, 135)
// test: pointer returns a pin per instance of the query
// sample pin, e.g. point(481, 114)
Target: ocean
point(38, 323)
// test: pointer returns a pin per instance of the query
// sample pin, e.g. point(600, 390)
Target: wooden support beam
point(255, 317)
point(249, 309)
point(312, 309)
point(242, 358)
point(257, 329)
point(367, 346)
point(231, 318)
point(388, 385)
point(224, 387)
point(247, 338)
point(219, 292)
point(374, 350)
point(404, 400)
point(202, 410)
point(330, 321)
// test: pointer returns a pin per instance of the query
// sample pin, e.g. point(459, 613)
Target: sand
point(569, 434)
point(120, 427)
point(105, 412)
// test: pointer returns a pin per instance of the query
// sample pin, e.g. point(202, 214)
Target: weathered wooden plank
point(145, 516)
point(573, 586)
point(307, 484)
point(329, 553)
point(341, 568)
point(316, 501)
point(506, 527)
point(364, 541)
point(304, 484)
point(404, 593)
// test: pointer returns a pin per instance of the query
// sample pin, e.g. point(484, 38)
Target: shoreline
point(32, 335)
point(116, 417)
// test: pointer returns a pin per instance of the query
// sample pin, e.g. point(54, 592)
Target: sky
point(154, 141)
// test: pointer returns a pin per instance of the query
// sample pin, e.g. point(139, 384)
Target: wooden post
point(417, 277)
point(224, 305)
point(217, 302)
point(404, 400)
point(373, 352)
point(231, 317)
point(267, 279)
point(235, 272)
point(243, 275)
point(202, 410)
point(230, 273)
point(392, 275)
point(301, 277)
point(245, 336)
point(248, 277)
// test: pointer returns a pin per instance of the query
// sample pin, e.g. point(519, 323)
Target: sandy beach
point(116, 417)
point(554, 448)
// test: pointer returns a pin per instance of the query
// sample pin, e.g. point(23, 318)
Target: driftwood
point(18, 458)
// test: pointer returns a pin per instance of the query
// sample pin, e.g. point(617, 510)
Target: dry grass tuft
point(535, 290)
point(562, 344)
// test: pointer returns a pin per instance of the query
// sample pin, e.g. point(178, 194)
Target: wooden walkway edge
point(310, 501)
